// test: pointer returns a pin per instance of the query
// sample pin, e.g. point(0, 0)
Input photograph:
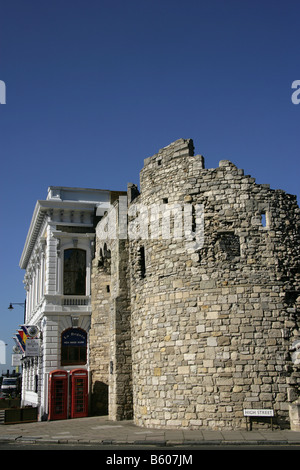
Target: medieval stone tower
point(195, 290)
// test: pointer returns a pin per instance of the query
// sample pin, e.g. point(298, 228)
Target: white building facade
point(57, 258)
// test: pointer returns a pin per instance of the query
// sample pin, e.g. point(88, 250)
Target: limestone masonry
point(195, 297)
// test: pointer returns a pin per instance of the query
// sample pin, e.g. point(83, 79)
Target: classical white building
point(57, 261)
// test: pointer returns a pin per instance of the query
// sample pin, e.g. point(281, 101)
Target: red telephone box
point(79, 393)
point(58, 395)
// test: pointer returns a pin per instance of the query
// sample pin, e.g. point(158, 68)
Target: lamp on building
point(23, 304)
point(11, 305)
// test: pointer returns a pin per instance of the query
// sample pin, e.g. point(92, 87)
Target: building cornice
point(65, 199)
point(33, 232)
point(42, 210)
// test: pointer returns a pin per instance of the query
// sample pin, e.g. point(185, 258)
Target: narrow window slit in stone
point(142, 261)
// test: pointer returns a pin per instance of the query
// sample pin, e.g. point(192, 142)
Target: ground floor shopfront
point(56, 380)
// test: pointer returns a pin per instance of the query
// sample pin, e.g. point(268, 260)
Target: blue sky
point(95, 86)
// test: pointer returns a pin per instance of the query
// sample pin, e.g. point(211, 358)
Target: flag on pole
point(19, 343)
point(23, 335)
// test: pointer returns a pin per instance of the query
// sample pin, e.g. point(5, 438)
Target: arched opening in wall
point(99, 398)
point(104, 260)
point(74, 277)
point(73, 347)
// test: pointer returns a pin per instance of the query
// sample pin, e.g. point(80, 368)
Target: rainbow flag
point(19, 342)
point(22, 335)
point(25, 332)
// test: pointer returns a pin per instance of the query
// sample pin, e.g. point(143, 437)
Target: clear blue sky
point(95, 86)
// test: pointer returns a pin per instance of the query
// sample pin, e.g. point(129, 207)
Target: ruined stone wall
point(212, 326)
point(110, 336)
point(99, 340)
point(202, 309)
point(120, 393)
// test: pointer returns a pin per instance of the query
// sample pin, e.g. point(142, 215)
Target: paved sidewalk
point(100, 430)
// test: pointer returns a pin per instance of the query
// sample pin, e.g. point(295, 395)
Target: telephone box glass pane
point(59, 397)
point(80, 395)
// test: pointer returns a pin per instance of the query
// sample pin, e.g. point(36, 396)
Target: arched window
point(74, 272)
point(73, 347)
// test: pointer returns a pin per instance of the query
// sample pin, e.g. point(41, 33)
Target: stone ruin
point(195, 297)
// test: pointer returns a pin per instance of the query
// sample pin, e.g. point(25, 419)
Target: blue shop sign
point(74, 337)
